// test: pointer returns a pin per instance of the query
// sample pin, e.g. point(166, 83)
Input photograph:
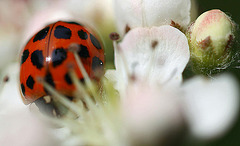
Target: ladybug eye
point(96, 63)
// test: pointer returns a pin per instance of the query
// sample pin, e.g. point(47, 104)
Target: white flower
point(154, 106)
point(10, 98)
point(151, 114)
point(21, 128)
point(10, 29)
point(156, 57)
point(18, 125)
point(211, 106)
point(42, 18)
point(94, 12)
point(147, 13)
point(157, 54)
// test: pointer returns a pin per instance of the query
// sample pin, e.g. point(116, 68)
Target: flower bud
point(210, 39)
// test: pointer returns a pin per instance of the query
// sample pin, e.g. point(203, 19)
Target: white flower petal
point(211, 106)
point(91, 11)
point(112, 76)
point(9, 45)
point(21, 128)
point(18, 126)
point(151, 113)
point(10, 98)
point(163, 63)
point(44, 17)
point(139, 13)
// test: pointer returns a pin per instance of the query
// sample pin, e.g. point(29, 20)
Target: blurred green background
point(232, 8)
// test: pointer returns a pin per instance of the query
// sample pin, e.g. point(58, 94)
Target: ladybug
point(47, 55)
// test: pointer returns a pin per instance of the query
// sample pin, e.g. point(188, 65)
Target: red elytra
point(47, 55)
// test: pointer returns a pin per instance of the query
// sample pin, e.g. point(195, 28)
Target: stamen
point(127, 28)
point(154, 44)
point(81, 90)
point(94, 108)
point(6, 79)
point(114, 36)
point(75, 49)
point(59, 97)
point(152, 61)
point(176, 25)
point(118, 50)
point(144, 21)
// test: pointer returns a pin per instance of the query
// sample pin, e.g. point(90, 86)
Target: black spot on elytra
point(62, 32)
point(30, 82)
point(71, 22)
point(49, 79)
point(37, 59)
point(41, 34)
point(97, 63)
point(24, 56)
point(58, 56)
point(68, 79)
point(95, 42)
point(23, 89)
point(82, 34)
point(83, 53)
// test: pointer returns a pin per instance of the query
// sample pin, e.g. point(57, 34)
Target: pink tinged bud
point(210, 38)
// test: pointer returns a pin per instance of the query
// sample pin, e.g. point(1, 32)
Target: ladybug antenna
point(144, 20)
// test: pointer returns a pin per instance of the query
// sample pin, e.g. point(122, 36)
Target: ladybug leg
point(50, 107)
point(46, 106)
point(71, 98)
